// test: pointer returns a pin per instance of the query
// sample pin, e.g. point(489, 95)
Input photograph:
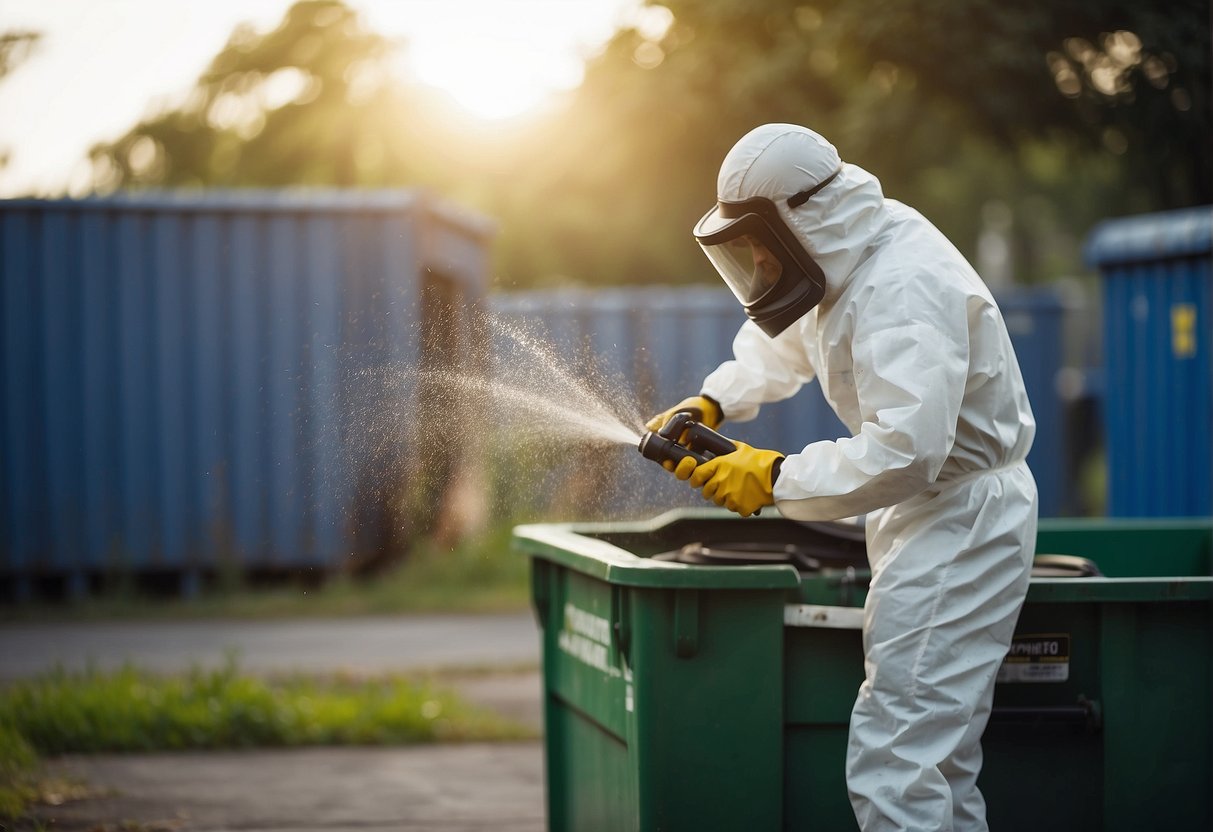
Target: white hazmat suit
point(913, 355)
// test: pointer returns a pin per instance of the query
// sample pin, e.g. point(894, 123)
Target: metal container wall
point(181, 372)
point(675, 700)
point(660, 343)
point(1158, 339)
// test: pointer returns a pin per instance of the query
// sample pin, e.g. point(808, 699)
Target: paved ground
point(452, 788)
point(372, 644)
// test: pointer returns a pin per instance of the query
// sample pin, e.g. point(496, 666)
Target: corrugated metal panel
point(662, 341)
point(1158, 299)
point(1036, 320)
point(178, 370)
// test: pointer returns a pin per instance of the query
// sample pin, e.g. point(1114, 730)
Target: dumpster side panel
point(709, 719)
point(1134, 548)
point(1158, 733)
point(591, 782)
point(663, 707)
point(823, 671)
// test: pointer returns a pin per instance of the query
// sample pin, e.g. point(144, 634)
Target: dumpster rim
point(1134, 588)
point(568, 545)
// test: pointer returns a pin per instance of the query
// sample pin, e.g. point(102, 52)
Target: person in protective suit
point(866, 295)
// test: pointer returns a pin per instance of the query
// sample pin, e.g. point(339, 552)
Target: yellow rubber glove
point(740, 481)
point(705, 411)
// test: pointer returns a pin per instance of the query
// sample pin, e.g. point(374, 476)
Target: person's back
point(916, 274)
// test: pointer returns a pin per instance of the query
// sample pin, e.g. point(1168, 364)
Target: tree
point(15, 47)
point(1065, 112)
point(309, 103)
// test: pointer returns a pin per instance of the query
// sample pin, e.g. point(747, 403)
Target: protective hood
point(790, 224)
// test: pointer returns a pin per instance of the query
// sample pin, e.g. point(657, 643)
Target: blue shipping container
point(1158, 375)
point(181, 372)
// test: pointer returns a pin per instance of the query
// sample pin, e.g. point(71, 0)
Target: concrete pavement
point(452, 788)
point(375, 644)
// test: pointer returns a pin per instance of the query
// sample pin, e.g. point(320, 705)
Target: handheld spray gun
point(681, 437)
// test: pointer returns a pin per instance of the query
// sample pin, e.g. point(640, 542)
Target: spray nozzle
point(681, 437)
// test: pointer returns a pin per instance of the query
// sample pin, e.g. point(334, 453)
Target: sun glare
point(497, 58)
point(486, 77)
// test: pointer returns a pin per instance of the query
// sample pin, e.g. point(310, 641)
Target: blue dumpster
point(1158, 338)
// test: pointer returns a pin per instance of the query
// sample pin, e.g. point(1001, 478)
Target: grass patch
point(18, 771)
point(132, 710)
point(480, 575)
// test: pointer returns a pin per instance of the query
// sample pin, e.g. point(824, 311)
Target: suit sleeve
point(763, 369)
point(909, 381)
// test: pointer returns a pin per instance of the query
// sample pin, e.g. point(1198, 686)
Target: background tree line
point(1038, 117)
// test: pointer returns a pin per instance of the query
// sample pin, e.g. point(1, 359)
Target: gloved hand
point(741, 481)
point(705, 410)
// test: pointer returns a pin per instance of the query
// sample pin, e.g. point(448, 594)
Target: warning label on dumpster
point(1037, 658)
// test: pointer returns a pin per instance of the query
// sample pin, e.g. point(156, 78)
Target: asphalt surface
point(491, 660)
point(371, 644)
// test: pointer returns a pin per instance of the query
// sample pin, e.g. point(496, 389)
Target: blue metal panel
point(210, 523)
point(61, 406)
point(246, 368)
point(26, 523)
point(99, 470)
point(327, 491)
point(172, 340)
point(1158, 299)
point(1035, 320)
point(180, 370)
point(283, 373)
point(137, 407)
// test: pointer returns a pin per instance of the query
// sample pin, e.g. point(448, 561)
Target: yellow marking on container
point(1183, 330)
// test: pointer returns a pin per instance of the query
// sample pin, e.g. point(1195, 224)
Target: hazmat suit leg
point(950, 570)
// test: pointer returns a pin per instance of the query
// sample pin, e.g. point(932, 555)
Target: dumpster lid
point(1146, 237)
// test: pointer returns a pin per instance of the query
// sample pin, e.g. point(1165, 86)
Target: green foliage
point(130, 710)
point(1063, 113)
point(18, 769)
point(308, 103)
point(15, 47)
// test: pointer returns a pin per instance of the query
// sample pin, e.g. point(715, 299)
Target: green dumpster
point(699, 672)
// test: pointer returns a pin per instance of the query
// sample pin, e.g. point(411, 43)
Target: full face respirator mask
point(761, 260)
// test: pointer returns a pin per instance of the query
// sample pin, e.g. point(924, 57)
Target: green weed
point(131, 710)
point(18, 771)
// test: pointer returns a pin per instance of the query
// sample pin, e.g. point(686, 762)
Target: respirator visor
point(761, 261)
point(750, 262)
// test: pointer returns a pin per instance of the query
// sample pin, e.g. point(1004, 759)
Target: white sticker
point(1037, 658)
point(815, 615)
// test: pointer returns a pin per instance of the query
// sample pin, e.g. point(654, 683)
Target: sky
point(104, 64)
